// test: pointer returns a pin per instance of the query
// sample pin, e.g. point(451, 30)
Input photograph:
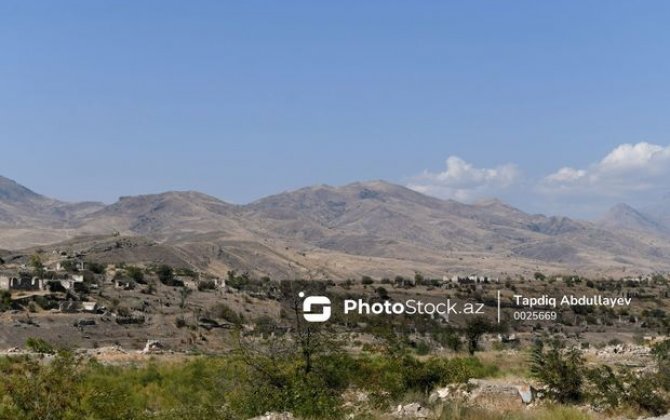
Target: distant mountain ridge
point(660, 211)
point(322, 231)
point(623, 216)
point(20, 206)
point(11, 191)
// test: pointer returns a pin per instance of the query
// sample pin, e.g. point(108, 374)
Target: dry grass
point(512, 364)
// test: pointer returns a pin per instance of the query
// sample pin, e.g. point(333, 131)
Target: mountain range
point(373, 228)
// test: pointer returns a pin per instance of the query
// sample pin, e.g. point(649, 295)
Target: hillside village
point(129, 314)
point(154, 296)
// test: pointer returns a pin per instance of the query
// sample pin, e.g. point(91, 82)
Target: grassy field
point(279, 377)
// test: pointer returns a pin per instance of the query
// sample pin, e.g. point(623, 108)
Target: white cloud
point(626, 172)
point(567, 175)
point(637, 174)
point(641, 156)
point(465, 182)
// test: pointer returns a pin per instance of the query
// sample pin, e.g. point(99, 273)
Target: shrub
point(5, 300)
point(450, 339)
point(607, 388)
point(422, 348)
point(223, 311)
point(206, 285)
point(561, 372)
point(239, 282)
point(643, 393)
point(70, 265)
point(382, 293)
point(186, 272)
point(474, 329)
point(135, 273)
point(166, 275)
point(39, 345)
point(95, 267)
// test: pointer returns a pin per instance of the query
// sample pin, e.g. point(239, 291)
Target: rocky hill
point(623, 216)
point(374, 228)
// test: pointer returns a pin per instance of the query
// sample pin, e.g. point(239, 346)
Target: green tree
point(560, 370)
point(474, 329)
point(5, 300)
point(95, 267)
point(36, 264)
point(135, 273)
point(165, 274)
point(184, 293)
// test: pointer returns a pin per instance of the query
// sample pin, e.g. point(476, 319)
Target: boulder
point(411, 411)
point(502, 390)
point(527, 393)
point(439, 394)
point(153, 346)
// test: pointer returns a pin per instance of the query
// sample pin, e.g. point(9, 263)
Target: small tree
point(165, 274)
point(37, 266)
point(418, 278)
point(561, 371)
point(475, 329)
point(5, 300)
point(95, 267)
point(184, 293)
point(135, 273)
point(39, 345)
point(449, 337)
point(661, 352)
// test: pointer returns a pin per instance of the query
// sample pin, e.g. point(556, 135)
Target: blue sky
point(242, 99)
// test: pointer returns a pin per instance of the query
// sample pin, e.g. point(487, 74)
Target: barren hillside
point(374, 228)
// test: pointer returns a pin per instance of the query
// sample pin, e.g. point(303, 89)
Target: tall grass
point(69, 387)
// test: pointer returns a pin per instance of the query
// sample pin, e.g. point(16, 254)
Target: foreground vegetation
point(246, 383)
point(68, 387)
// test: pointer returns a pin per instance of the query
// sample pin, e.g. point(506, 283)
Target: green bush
point(607, 389)
point(31, 390)
point(166, 275)
point(204, 285)
point(95, 267)
point(5, 300)
point(135, 273)
point(610, 390)
point(561, 371)
point(449, 338)
point(39, 345)
point(643, 393)
point(223, 311)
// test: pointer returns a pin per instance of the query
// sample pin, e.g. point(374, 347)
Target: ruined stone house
point(14, 281)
